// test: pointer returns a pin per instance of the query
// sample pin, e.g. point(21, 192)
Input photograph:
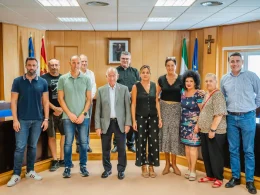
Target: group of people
point(172, 116)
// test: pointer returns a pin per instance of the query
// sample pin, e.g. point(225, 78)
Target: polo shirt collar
point(35, 78)
point(80, 74)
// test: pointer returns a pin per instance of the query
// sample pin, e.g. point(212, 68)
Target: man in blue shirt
point(29, 97)
point(242, 92)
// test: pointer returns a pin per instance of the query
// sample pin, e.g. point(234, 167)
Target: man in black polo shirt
point(28, 98)
point(55, 122)
point(128, 76)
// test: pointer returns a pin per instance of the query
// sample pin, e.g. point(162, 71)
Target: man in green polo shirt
point(74, 96)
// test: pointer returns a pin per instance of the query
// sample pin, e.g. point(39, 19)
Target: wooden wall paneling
point(72, 38)
point(53, 38)
point(166, 48)
point(254, 33)
point(209, 60)
point(2, 95)
point(101, 57)
point(150, 51)
point(23, 36)
point(240, 34)
point(136, 48)
point(10, 57)
point(64, 53)
point(225, 40)
point(87, 47)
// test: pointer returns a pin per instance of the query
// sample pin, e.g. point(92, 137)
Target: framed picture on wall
point(115, 47)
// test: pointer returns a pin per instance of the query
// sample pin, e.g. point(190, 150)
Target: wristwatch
point(84, 113)
point(212, 130)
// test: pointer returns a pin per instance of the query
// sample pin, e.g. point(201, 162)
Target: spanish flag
point(43, 65)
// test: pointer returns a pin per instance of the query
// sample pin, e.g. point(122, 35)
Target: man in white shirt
point(84, 69)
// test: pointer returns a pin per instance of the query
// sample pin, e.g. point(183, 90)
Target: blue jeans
point(69, 129)
point(29, 134)
point(245, 123)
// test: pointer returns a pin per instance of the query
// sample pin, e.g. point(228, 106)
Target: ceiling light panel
point(59, 3)
point(174, 2)
point(73, 19)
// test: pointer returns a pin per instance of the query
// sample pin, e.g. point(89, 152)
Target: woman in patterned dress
point(146, 119)
point(169, 88)
point(190, 108)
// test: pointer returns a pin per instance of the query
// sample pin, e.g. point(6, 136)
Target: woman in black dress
point(146, 122)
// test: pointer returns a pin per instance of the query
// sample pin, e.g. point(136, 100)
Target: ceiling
point(128, 15)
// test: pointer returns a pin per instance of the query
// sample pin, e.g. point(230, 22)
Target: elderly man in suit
point(113, 115)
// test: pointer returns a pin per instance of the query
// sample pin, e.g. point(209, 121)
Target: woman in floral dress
point(190, 109)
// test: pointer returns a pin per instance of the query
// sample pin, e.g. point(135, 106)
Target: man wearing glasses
point(128, 76)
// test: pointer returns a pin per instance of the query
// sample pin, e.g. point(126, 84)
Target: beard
point(31, 72)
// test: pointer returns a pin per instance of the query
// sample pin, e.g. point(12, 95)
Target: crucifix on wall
point(209, 41)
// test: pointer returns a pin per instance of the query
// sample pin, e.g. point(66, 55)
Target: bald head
point(84, 63)
point(54, 67)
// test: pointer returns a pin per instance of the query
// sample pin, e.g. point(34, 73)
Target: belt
point(113, 119)
point(237, 113)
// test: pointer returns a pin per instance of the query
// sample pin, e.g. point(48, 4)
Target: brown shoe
point(151, 172)
point(145, 172)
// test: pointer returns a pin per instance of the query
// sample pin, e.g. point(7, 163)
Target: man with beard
point(128, 76)
point(28, 98)
point(55, 114)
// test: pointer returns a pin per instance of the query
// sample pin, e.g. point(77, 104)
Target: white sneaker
point(14, 180)
point(34, 175)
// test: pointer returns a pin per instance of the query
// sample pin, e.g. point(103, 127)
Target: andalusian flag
point(30, 47)
point(43, 65)
point(184, 58)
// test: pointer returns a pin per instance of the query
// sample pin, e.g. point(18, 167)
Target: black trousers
point(213, 154)
point(148, 131)
point(130, 138)
point(121, 147)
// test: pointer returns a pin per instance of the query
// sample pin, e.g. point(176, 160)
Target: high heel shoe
point(151, 172)
point(145, 173)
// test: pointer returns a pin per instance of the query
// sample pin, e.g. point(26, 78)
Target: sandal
point(206, 179)
point(217, 183)
point(176, 170)
point(187, 174)
point(192, 176)
point(151, 172)
point(166, 171)
point(145, 173)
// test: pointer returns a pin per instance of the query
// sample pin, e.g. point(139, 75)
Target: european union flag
point(30, 48)
point(195, 63)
